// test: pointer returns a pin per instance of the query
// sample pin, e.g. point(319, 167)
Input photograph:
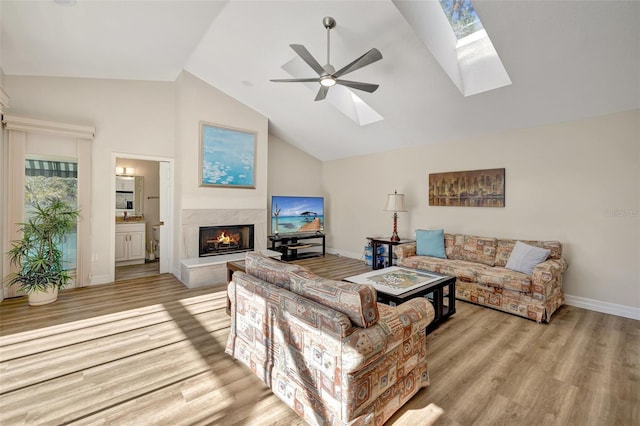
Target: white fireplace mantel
point(196, 271)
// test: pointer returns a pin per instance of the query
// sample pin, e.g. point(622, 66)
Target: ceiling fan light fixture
point(328, 81)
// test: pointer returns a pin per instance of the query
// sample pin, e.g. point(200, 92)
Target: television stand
point(298, 246)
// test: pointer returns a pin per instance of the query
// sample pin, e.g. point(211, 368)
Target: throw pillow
point(430, 243)
point(524, 258)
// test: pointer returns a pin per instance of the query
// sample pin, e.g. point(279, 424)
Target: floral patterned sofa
point(324, 347)
point(479, 263)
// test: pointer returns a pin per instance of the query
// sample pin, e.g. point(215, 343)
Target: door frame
point(166, 238)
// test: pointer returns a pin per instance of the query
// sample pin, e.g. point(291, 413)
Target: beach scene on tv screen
point(297, 214)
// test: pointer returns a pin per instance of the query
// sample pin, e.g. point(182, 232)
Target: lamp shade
point(395, 202)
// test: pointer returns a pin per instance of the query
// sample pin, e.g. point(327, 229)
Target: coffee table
point(397, 284)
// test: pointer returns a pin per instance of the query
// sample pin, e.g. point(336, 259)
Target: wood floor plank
point(151, 351)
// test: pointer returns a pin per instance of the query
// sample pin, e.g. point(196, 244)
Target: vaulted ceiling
point(567, 60)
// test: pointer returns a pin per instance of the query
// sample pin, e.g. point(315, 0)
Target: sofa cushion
point(356, 301)
point(505, 246)
point(505, 278)
point(524, 258)
point(462, 269)
point(430, 243)
point(270, 270)
point(453, 246)
point(425, 263)
point(479, 249)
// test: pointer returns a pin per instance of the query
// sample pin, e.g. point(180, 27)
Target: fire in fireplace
point(217, 240)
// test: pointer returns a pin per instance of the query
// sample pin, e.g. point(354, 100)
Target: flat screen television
point(294, 215)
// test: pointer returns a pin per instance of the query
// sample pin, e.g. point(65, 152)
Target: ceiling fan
point(327, 75)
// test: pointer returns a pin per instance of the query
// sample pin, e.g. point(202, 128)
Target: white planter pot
point(43, 297)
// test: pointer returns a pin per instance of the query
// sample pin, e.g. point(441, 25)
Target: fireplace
point(226, 239)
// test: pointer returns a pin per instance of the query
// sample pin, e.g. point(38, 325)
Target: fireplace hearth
point(226, 239)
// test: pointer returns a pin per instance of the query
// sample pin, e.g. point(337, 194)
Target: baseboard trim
point(604, 307)
point(100, 279)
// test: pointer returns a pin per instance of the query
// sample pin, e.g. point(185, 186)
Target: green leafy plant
point(37, 256)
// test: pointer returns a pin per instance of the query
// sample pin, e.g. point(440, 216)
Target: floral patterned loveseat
point(479, 263)
point(324, 347)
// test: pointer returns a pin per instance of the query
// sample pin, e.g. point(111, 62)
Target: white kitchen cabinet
point(130, 243)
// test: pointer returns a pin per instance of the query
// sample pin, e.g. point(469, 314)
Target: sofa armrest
point(547, 276)
point(418, 311)
point(404, 250)
point(396, 324)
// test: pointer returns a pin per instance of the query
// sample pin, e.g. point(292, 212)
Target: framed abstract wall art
point(227, 157)
point(475, 188)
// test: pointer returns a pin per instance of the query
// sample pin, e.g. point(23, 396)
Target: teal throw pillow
point(430, 243)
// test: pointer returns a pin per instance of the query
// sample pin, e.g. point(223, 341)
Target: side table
point(233, 266)
point(380, 241)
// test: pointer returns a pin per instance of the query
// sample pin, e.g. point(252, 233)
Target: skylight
point(457, 39)
point(462, 17)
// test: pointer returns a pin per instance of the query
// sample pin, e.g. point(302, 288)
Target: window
point(452, 30)
point(462, 17)
point(51, 178)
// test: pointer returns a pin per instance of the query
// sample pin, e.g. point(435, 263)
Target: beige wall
point(577, 182)
point(199, 102)
point(293, 172)
point(155, 119)
point(134, 117)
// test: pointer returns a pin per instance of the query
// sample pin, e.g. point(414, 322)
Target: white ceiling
point(566, 59)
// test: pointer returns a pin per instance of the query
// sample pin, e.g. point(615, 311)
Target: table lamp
point(395, 204)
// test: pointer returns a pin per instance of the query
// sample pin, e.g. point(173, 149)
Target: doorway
point(141, 220)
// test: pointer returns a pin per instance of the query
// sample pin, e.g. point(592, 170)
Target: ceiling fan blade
point(368, 58)
point(306, 56)
point(296, 80)
point(367, 87)
point(322, 93)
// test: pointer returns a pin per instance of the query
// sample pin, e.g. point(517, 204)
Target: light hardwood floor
point(147, 269)
point(150, 351)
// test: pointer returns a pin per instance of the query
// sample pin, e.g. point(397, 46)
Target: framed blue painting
point(227, 157)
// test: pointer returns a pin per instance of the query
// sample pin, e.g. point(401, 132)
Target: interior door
point(166, 222)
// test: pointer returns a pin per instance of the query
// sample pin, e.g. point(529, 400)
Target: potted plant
point(38, 256)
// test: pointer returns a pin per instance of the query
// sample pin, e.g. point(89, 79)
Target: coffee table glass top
point(395, 280)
